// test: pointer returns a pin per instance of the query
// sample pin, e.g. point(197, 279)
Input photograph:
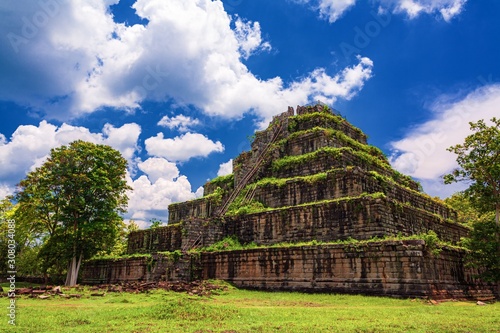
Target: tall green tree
point(484, 247)
point(27, 237)
point(467, 213)
point(479, 165)
point(77, 195)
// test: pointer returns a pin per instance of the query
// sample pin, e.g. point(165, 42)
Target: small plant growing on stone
point(155, 223)
point(432, 242)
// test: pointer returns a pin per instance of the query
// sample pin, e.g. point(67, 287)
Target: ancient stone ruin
point(316, 209)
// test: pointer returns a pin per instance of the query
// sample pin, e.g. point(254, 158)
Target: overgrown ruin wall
point(199, 208)
point(319, 182)
point(325, 121)
point(153, 240)
point(402, 268)
point(361, 219)
point(329, 159)
point(396, 268)
point(151, 268)
point(344, 183)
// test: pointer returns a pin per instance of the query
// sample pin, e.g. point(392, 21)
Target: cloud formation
point(182, 148)
point(249, 37)
point(190, 51)
point(30, 145)
point(332, 10)
point(448, 9)
point(159, 184)
point(225, 168)
point(180, 122)
point(152, 192)
point(422, 152)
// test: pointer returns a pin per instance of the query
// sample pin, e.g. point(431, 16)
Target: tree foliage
point(27, 239)
point(479, 165)
point(483, 245)
point(121, 244)
point(466, 211)
point(155, 223)
point(76, 197)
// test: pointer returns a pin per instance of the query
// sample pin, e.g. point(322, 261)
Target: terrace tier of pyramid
point(316, 204)
point(309, 176)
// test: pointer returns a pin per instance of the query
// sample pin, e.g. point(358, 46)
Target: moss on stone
point(227, 180)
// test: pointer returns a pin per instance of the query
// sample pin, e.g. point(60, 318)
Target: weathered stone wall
point(400, 268)
point(201, 233)
point(154, 268)
point(391, 268)
point(335, 122)
point(361, 219)
point(191, 233)
point(199, 208)
point(168, 238)
point(326, 160)
point(308, 142)
point(245, 162)
point(108, 271)
point(211, 186)
point(344, 183)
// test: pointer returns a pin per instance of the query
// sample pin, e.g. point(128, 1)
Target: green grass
point(247, 311)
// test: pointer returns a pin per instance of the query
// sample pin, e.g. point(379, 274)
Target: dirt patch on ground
point(199, 288)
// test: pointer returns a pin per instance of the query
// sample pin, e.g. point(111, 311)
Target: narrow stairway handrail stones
point(224, 207)
point(188, 246)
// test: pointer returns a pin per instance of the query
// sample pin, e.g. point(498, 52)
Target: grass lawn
point(245, 311)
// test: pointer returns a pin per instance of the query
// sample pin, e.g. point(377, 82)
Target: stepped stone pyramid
point(309, 178)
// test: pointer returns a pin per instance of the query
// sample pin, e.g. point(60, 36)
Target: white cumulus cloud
point(225, 168)
point(422, 152)
point(30, 145)
point(179, 122)
point(157, 168)
point(447, 8)
point(249, 37)
point(150, 199)
point(332, 10)
point(182, 148)
point(191, 51)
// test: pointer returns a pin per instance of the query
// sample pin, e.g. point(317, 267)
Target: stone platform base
point(386, 268)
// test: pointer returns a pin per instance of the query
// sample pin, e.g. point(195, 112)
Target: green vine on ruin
point(221, 181)
point(289, 162)
point(433, 243)
point(324, 116)
point(254, 207)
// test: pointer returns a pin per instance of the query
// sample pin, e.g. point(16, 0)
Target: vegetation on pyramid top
point(339, 136)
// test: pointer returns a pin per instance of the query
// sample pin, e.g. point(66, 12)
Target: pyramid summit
point(315, 208)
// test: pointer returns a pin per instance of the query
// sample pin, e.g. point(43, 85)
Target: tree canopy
point(76, 197)
point(479, 165)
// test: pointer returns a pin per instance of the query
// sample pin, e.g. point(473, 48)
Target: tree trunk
point(73, 269)
point(70, 273)
point(74, 264)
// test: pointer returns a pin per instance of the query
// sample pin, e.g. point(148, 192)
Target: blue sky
point(179, 86)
